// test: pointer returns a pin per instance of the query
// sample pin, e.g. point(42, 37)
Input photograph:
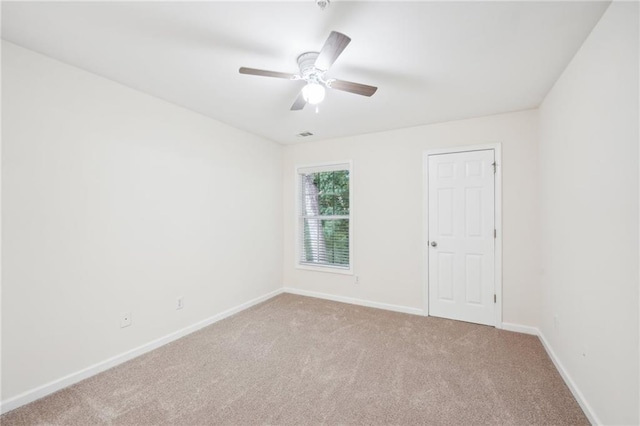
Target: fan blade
point(332, 48)
point(299, 103)
point(265, 73)
point(358, 89)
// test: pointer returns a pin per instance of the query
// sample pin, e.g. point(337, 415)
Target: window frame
point(316, 168)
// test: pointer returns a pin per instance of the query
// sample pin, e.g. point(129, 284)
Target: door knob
point(434, 244)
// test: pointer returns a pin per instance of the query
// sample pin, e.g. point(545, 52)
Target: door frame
point(497, 148)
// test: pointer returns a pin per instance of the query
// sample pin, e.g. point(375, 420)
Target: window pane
point(325, 193)
point(326, 241)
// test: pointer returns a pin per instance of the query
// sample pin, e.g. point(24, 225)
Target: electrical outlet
point(125, 319)
point(180, 303)
point(556, 322)
point(357, 279)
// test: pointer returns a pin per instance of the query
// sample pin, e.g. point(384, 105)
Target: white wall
point(387, 215)
point(114, 201)
point(589, 217)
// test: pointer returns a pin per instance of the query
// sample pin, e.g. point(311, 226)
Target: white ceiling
point(432, 61)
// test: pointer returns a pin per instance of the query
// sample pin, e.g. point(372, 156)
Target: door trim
point(497, 148)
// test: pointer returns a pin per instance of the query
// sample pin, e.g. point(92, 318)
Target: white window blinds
point(324, 216)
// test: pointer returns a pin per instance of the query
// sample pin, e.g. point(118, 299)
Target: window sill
point(329, 269)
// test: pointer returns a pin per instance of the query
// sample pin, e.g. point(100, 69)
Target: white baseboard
point(63, 382)
point(354, 301)
point(520, 328)
point(588, 411)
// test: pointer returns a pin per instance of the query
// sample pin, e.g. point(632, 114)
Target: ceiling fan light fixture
point(313, 93)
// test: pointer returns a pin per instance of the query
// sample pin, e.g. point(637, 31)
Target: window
point(324, 220)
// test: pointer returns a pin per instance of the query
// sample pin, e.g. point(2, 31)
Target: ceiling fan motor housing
point(308, 70)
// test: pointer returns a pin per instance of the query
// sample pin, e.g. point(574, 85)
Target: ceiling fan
point(313, 66)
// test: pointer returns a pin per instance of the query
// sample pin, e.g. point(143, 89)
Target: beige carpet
point(298, 360)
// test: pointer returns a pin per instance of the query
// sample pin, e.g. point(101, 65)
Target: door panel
point(461, 236)
point(445, 211)
point(473, 275)
point(445, 276)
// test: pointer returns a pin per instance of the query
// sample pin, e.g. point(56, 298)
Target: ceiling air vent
point(304, 134)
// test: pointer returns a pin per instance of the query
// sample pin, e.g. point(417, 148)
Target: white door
point(462, 236)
